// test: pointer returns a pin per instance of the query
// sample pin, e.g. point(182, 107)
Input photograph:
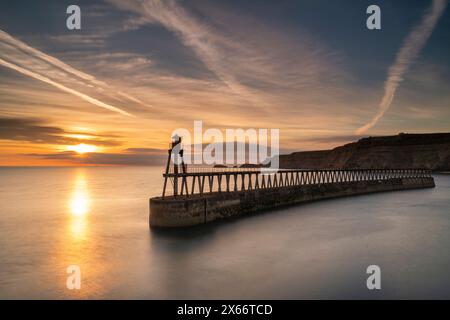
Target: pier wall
point(180, 211)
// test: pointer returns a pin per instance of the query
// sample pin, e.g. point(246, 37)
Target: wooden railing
point(198, 180)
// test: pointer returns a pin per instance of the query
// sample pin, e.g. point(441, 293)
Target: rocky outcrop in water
point(403, 151)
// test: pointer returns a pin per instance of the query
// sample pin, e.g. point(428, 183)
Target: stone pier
point(264, 192)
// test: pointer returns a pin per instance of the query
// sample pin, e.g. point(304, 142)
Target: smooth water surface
point(97, 218)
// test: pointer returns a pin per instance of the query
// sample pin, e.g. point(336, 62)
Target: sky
point(113, 92)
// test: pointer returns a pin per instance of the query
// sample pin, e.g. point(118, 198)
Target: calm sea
point(97, 218)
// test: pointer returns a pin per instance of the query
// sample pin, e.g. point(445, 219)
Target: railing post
point(203, 184)
point(200, 186)
point(211, 182)
point(182, 186)
point(193, 185)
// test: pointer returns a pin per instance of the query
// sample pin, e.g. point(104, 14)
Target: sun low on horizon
point(202, 152)
point(82, 148)
point(113, 92)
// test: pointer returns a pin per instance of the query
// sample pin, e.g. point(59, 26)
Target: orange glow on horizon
point(82, 148)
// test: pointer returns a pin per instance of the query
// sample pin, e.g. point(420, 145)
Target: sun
point(82, 148)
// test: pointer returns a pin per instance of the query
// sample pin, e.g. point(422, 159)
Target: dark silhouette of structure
point(176, 151)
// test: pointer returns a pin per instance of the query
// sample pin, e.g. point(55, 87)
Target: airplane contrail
point(83, 96)
point(410, 50)
point(7, 38)
point(88, 80)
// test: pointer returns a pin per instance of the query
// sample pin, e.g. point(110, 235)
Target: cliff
point(403, 151)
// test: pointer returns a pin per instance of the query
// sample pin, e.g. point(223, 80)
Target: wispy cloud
point(7, 39)
point(236, 50)
point(83, 96)
point(193, 34)
point(257, 73)
point(31, 62)
point(192, 60)
point(36, 130)
point(409, 51)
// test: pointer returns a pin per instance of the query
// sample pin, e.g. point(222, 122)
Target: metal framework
point(195, 180)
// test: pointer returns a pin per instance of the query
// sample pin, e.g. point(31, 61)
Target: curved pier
point(201, 195)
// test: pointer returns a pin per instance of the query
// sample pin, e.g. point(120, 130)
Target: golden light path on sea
point(79, 205)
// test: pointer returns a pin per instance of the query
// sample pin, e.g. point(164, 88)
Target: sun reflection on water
point(79, 205)
point(79, 243)
point(80, 202)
